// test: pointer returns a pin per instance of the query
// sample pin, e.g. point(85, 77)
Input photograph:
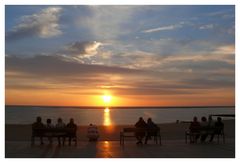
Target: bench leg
point(32, 140)
point(186, 138)
point(160, 140)
point(41, 140)
point(75, 141)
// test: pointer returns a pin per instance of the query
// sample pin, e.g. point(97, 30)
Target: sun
point(107, 99)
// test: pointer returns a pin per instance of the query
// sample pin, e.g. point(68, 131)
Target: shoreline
point(169, 131)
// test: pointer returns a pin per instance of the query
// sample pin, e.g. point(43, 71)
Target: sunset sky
point(138, 55)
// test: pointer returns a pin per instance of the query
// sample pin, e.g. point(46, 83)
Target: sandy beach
point(169, 131)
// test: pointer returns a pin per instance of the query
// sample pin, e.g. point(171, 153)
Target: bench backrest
point(140, 129)
point(129, 130)
point(41, 131)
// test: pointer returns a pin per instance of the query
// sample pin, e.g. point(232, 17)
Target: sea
point(108, 115)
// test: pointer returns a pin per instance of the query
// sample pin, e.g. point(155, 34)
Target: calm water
point(101, 116)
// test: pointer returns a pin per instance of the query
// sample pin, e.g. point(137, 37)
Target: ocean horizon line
point(122, 107)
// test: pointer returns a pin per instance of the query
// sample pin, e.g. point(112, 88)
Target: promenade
point(112, 149)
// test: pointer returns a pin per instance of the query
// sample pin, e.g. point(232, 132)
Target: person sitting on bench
point(73, 128)
point(49, 125)
point(153, 129)
point(139, 134)
point(60, 125)
point(194, 130)
point(219, 125)
point(36, 128)
point(204, 129)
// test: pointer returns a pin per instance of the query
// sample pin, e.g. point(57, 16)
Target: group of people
point(200, 129)
point(59, 125)
point(142, 125)
point(92, 131)
point(204, 128)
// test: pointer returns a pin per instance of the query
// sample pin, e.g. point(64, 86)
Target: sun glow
point(107, 99)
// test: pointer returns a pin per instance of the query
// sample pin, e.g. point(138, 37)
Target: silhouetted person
point(92, 133)
point(204, 129)
point(60, 125)
point(140, 133)
point(194, 129)
point(73, 128)
point(211, 125)
point(36, 128)
point(49, 125)
point(218, 128)
point(152, 129)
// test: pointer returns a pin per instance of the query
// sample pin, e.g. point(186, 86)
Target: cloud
point(206, 26)
point(164, 28)
point(107, 22)
point(44, 24)
point(48, 66)
point(87, 48)
point(55, 73)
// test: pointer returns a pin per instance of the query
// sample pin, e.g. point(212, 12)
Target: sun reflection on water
point(107, 118)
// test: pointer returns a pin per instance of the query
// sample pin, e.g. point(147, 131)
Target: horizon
point(139, 107)
point(120, 56)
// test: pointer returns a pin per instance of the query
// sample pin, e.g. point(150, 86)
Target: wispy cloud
point(163, 28)
point(44, 24)
point(206, 26)
point(107, 22)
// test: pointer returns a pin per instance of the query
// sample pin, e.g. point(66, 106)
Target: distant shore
point(169, 131)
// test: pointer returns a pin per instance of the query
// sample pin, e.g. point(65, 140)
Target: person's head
point(219, 119)
point(140, 118)
point(59, 120)
point(149, 120)
point(195, 119)
point(210, 118)
point(49, 121)
point(71, 120)
point(204, 119)
point(39, 119)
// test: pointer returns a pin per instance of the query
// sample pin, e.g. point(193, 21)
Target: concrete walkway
point(112, 149)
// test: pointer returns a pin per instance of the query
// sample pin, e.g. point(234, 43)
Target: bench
point(130, 133)
point(54, 132)
point(191, 135)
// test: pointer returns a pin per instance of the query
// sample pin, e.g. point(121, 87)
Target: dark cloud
point(199, 65)
point(55, 73)
point(55, 66)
